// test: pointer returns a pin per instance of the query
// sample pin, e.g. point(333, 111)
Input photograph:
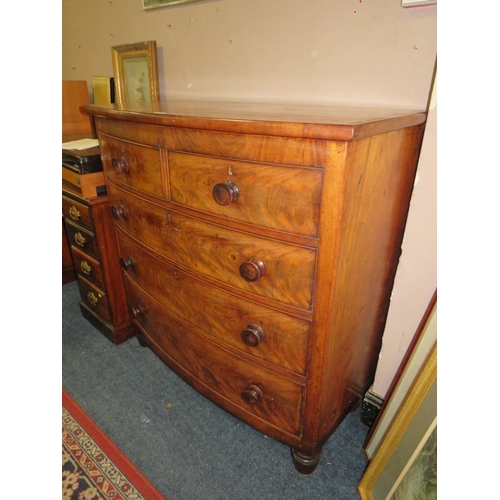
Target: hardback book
point(104, 89)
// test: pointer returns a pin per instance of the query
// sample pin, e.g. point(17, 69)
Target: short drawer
point(262, 332)
point(82, 239)
point(132, 164)
point(88, 267)
point(263, 393)
point(77, 212)
point(271, 196)
point(94, 297)
point(268, 268)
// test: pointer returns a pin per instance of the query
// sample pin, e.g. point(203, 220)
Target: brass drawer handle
point(85, 267)
point(74, 213)
point(225, 193)
point(93, 299)
point(252, 395)
point(80, 239)
point(252, 335)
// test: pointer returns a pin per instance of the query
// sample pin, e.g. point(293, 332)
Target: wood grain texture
point(313, 201)
point(216, 312)
point(223, 370)
point(216, 252)
point(133, 164)
point(268, 195)
point(96, 263)
point(337, 123)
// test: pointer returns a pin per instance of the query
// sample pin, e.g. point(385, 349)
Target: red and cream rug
point(93, 467)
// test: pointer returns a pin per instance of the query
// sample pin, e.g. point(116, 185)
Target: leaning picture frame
point(412, 362)
point(405, 464)
point(135, 69)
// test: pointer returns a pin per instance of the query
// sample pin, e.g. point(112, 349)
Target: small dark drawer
point(82, 239)
point(77, 212)
point(88, 267)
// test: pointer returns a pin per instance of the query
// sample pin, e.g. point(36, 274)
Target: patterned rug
point(93, 467)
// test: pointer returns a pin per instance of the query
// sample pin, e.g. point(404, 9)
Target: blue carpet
point(189, 448)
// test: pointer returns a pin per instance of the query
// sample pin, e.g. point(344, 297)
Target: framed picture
point(155, 4)
point(417, 352)
point(136, 73)
point(405, 464)
point(417, 3)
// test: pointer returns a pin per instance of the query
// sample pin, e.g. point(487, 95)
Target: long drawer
point(265, 333)
point(275, 399)
point(276, 197)
point(268, 268)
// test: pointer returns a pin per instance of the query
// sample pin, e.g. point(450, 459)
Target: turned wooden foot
point(305, 464)
point(141, 341)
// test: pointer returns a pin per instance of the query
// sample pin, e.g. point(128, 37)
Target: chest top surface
point(330, 122)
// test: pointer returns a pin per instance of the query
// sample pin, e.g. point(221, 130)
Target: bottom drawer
point(275, 399)
point(94, 297)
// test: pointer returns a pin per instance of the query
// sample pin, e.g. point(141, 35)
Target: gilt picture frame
point(405, 464)
point(135, 68)
point(156, 4)
point(417, 352)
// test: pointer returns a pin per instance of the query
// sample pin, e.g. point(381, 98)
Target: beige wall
point(360, 52)
point(416, 277)
point(346, 51)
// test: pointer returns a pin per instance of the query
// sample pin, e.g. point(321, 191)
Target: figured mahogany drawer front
point(261, 392)
point(82, 239)
point(88, 267)
point(77, 212)
point(261, 332)
point(264, 267)
point(276, 197)
point(132, 164)
point(94, 297)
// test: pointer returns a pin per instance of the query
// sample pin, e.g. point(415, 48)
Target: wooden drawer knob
point(126, 264)
point(118, 212)
point(252, 395)
point(137, 311)
point(120, 166)
point(252, 335)
point(252, 270)
point(225, 193)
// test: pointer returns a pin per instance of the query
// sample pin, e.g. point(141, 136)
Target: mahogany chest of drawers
point(90, 232)
point(259, 245)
